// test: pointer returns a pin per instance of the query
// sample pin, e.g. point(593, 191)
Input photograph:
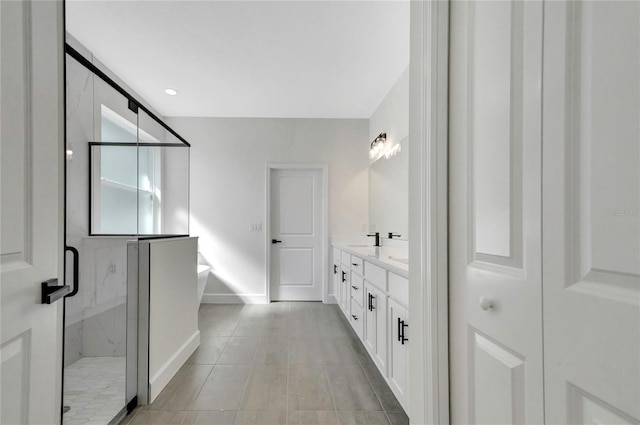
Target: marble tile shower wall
point(95, 318)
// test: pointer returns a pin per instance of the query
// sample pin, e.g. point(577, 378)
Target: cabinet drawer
point(356, 318)
point(357, 265)
point(345, 258)
point(376, 275)
point(399, 288)
point(357, 288)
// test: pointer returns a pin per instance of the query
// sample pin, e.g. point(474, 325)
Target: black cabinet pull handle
point(400, 330)
point(355, 287)
point(371, 298)
point(335, 269)
point(354, 317)
point(274, 241)
point(354, 264)
point(343, 277)
point(403, 325)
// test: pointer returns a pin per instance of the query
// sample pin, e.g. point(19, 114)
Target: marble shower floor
point(276, 364)
point(94, 389)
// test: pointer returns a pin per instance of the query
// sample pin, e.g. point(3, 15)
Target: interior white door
point(495, 310)
point(31, 180)
point(297, 235)
point(591, 215)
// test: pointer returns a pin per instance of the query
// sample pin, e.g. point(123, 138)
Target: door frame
point(428, 213)
point(324, 172)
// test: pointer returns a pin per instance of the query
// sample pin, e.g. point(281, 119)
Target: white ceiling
point(302, 59)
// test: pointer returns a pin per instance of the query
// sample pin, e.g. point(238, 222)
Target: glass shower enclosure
point(127, 178)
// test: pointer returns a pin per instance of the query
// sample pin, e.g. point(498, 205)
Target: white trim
point(428, 250)
point(234, 299)
point(324, 170)
point(158, 381)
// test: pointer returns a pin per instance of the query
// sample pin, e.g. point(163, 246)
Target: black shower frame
point(134, 105)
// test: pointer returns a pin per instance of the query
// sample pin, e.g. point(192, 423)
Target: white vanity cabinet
point(373, 295)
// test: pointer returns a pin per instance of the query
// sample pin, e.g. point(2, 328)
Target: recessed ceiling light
point(171, 92)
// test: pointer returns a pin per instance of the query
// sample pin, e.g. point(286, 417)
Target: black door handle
point(274, 241)
point(76, 270)
point(344, 279)
point(51, 291)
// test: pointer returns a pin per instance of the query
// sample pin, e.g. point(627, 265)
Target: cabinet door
point(399, 353)
point(335, 269)
point(370, 322)
point(344, 290)
point(379, 306)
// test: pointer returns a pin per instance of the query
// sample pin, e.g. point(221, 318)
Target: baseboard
point(234, 299)
point(331, 299)
point(158, 381)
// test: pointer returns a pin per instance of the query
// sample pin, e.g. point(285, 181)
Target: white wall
point(392, 115)
point(228, 188)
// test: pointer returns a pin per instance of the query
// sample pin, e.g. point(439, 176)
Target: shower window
point(129, 169)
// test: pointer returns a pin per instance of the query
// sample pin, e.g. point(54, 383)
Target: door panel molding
point(496, 235)
point(492, 364)
point(592, 212)
point(17, 244)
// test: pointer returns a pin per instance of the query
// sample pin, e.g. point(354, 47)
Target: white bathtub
point(203, 274)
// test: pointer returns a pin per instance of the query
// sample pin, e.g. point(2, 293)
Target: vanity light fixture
point(393, 151)
point(171, 92)
point(377, 145)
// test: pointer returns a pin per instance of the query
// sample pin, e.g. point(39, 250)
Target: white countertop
point(394, 259)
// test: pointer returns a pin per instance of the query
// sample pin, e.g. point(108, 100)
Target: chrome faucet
point(377, 240)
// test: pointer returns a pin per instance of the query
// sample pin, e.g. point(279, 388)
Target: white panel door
point(31, 210)
point(591, 215)
point(296, 235)
point(495, 310)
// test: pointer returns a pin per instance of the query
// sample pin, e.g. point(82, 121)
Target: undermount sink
point(400, 260)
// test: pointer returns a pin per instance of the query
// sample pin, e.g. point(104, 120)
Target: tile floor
point(282, 363)
point(94, 390)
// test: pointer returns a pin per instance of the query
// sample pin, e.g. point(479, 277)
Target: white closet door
point(591, 216)
point(495, 295)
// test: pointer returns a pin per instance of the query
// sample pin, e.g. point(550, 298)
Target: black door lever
point(274, 241)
